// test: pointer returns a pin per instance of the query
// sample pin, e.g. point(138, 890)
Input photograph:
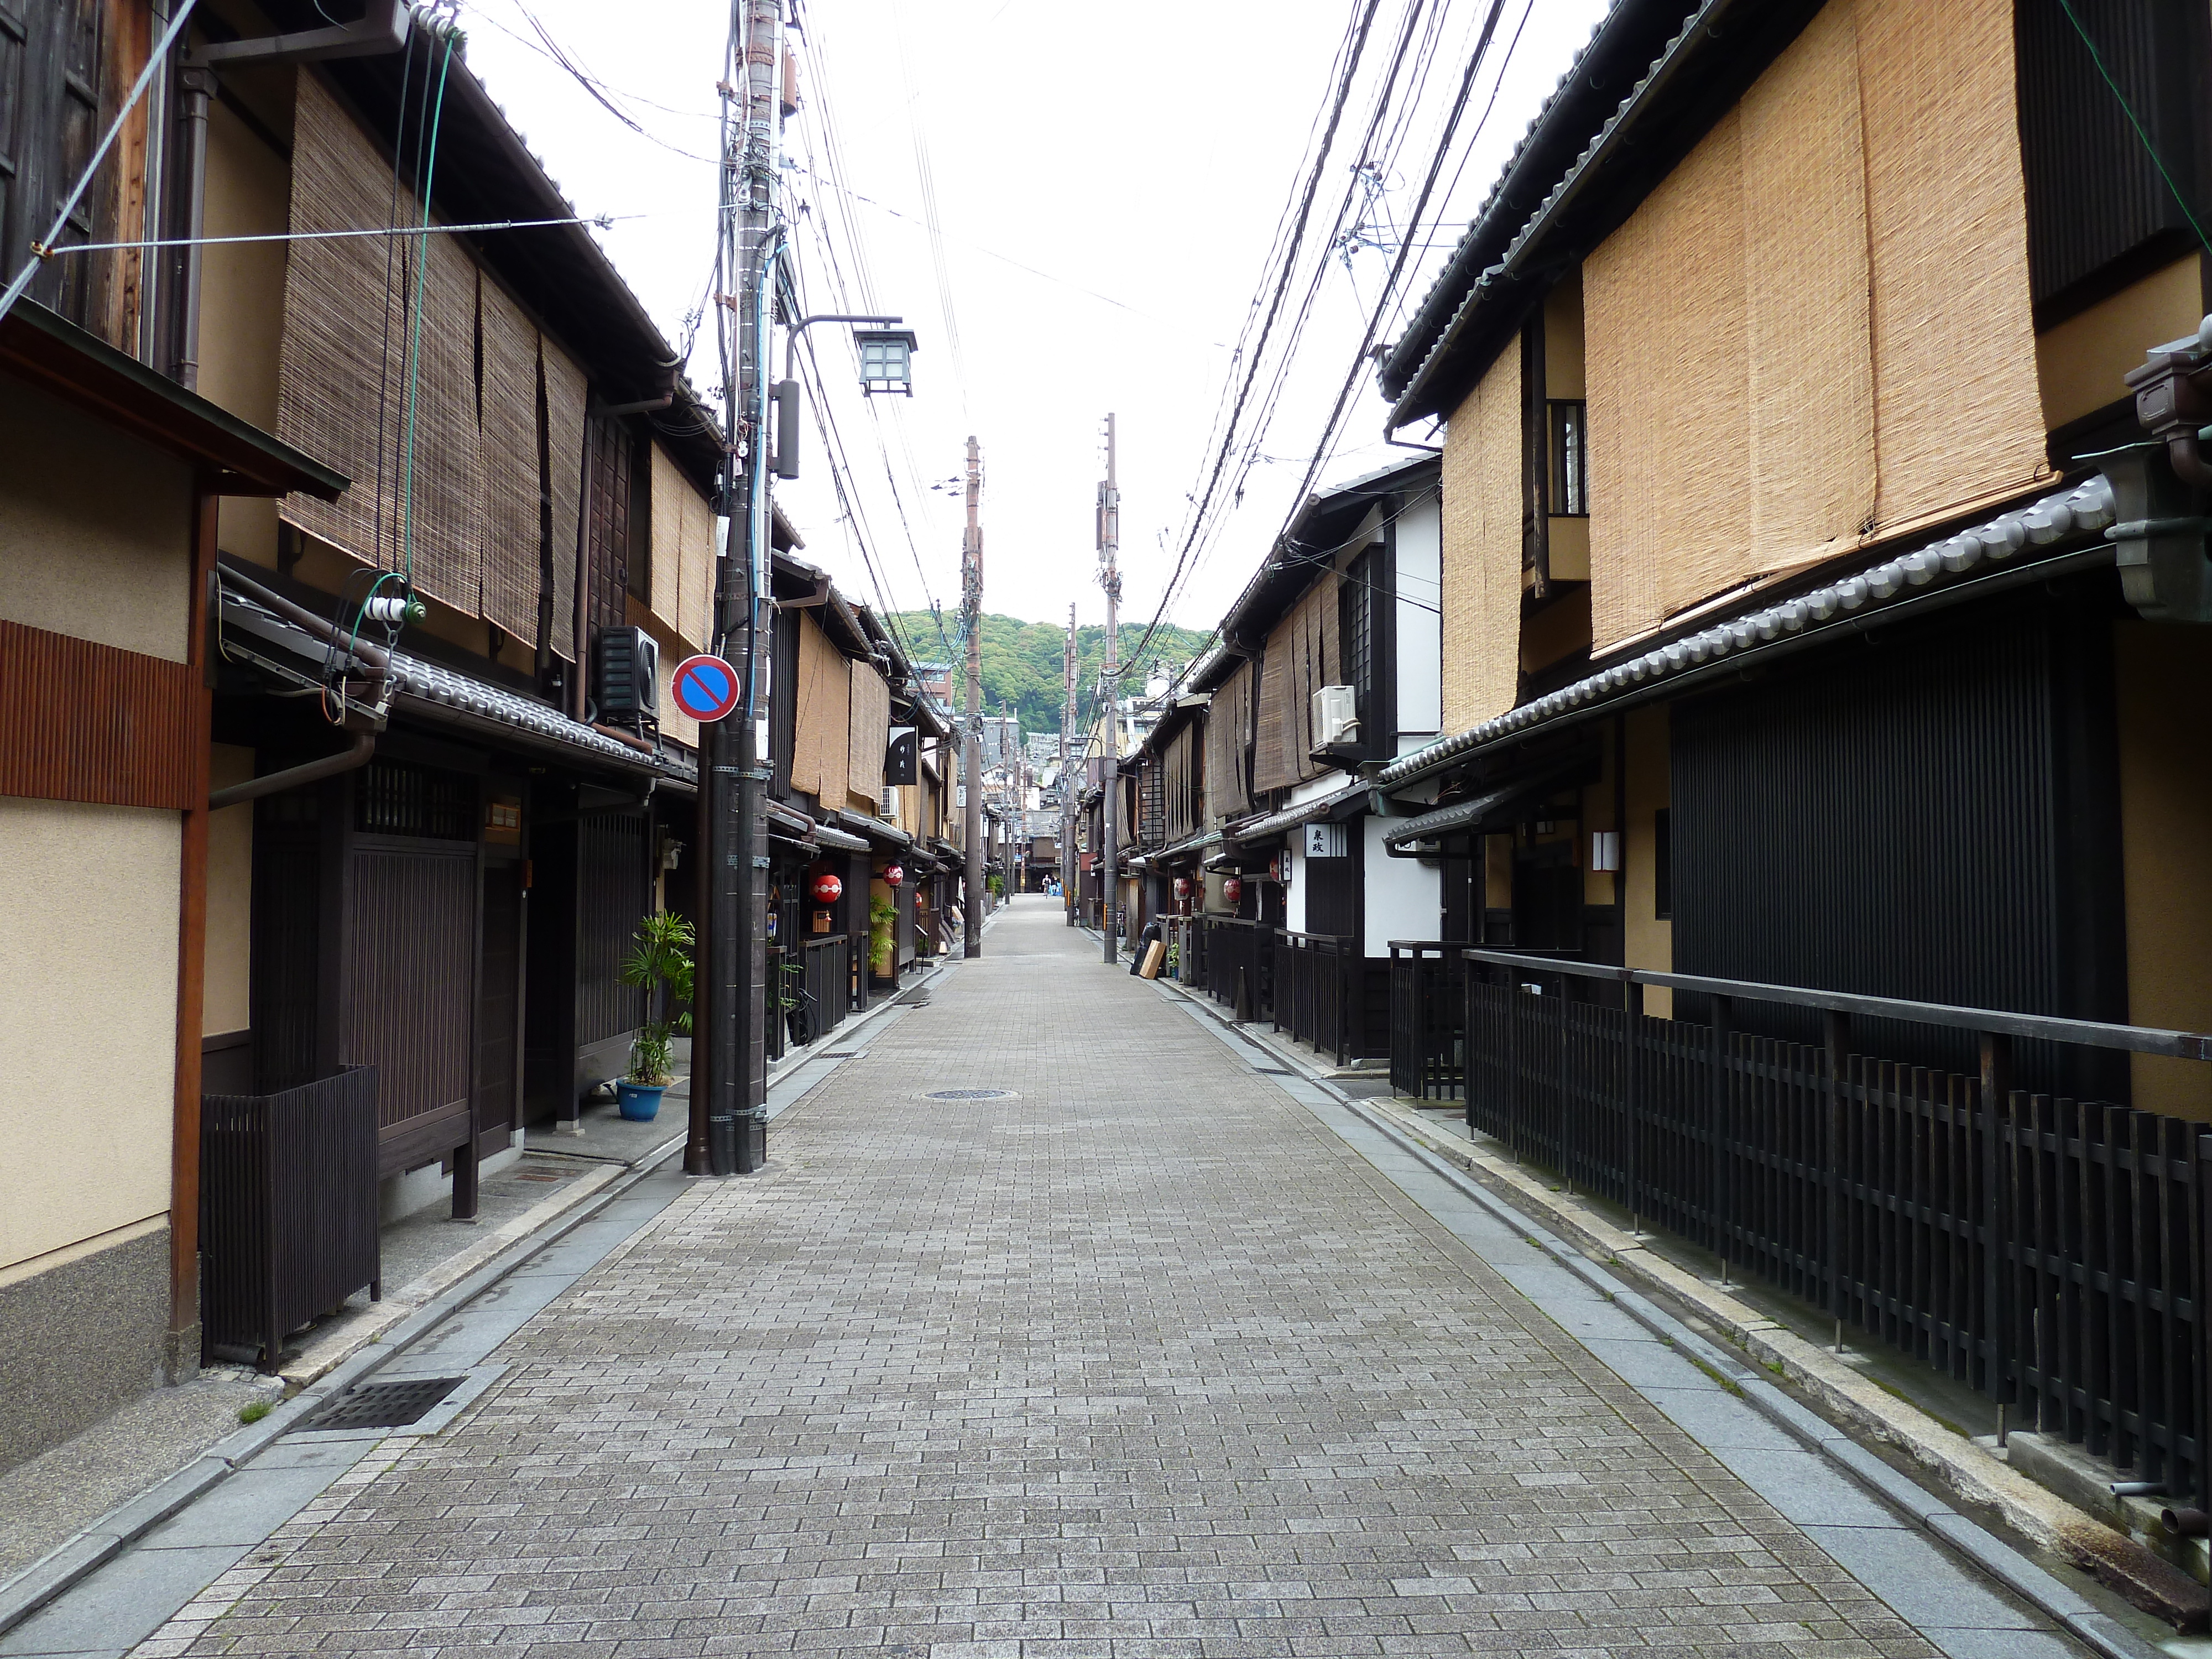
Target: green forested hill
point(1022, 659)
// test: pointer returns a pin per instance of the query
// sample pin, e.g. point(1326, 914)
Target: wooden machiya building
point(394, 542)
point(1825, 677)
point(1252, 795)
point(861, 757)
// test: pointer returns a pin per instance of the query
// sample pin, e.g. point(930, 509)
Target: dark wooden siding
point(285, 974)
point(63, 67)
point(2094, 193)
point(410, 985)
point(1928, 820)
point(607, 522)
point(89, 722)
point(613, 891)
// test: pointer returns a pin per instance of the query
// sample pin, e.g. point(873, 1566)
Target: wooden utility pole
point(1071, 882)
point(1109, 545)
point(971, 771)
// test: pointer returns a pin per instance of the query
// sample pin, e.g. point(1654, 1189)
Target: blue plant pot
point(640, 1103)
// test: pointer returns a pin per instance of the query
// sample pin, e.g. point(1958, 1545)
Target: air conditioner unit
point(629, 669)
point(1335, 715)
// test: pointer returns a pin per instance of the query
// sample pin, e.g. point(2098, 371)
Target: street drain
point(969, 1094)
point(384, 1404)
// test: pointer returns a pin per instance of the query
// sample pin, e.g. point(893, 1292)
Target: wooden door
point(499, 1009)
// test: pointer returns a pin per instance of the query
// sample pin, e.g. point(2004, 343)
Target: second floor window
point(1569, 483)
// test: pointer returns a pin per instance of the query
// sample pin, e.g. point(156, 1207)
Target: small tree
point(659, 963)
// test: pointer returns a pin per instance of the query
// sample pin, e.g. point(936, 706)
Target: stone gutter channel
point(116, 1581)
point(1607, 1261)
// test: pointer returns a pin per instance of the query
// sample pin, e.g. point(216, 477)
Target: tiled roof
point(2086, 509)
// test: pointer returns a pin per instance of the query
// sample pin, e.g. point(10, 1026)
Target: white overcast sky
point(1106, 183)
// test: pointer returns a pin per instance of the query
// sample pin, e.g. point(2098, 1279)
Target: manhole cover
point(969, 1094)
point(384, 1404)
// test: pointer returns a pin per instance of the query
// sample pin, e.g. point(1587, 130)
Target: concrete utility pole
point(734, 957)
point(971, 771)
point(1109, 545)
point(1071, 881)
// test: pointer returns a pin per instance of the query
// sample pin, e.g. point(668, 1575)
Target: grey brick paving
point(1142, 1365)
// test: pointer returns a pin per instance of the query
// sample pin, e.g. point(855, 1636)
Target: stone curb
point(318, 1360)
point(93, 1545)
point(2036, 1515)
point(2067, 1607)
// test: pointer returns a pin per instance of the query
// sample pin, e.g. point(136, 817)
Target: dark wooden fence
point(1317, 986)
point(288, 1210)
point(1428, 1011)
point(826, 989)
point(2048, 1252)
point(1240, 964)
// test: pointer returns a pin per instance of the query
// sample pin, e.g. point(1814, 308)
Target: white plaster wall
point(1420, 623)
point(1405, 899)
point(78, 556)
point(88, 1041)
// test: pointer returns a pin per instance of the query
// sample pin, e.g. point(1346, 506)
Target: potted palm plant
point(661, 964)
point(883, 938)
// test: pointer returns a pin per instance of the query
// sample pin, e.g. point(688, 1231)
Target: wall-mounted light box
point(1605, 849)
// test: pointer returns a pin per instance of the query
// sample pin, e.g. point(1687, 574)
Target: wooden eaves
point(231, 457)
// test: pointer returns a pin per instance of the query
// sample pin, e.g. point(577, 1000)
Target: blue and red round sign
point(705, 687)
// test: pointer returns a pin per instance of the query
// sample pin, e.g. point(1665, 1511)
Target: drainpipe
point(198, 85)
point(383, 29)
point(350, 759)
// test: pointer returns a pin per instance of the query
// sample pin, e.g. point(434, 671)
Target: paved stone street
point(1144, 1361)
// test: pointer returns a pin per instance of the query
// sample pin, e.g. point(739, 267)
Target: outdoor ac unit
point(629, 664)
point(1335, 715)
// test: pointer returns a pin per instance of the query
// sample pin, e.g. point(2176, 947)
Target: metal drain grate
point(384, 1404)
point(969, 1094)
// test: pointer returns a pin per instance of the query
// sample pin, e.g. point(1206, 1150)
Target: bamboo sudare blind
point(507, 514)
point(1228, 735)
point(1482, 537)
point(343, 387)
point(1301, 657)
point(1670, 517)
point(565, 392)
point(1958, 406)
point(1773, 337)
point(683, 552)
point(871, 729)
point(339, 357)
point(822, 728)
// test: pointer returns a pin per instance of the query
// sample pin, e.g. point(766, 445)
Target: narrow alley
point(1151, 1354)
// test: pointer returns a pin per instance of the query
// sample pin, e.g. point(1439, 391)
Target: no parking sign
point(705, 687)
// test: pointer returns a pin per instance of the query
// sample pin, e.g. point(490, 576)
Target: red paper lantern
point(828, 889)
point(894, 874)
point(1233, 889)
point(1182, 887)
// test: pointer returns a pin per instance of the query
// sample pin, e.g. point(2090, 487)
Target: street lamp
point(886, 359)
point(879, 372)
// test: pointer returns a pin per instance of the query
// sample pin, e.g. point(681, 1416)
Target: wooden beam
point(182, 1358)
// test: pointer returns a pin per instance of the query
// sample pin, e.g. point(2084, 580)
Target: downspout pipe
point(349, 759)
point(198, 85)
point(383, 29)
